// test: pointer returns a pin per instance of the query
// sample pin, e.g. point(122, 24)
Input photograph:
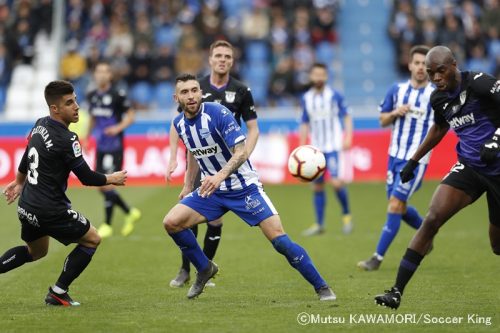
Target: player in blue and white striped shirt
point(407, 108)
point(326, 116)
point(216, 144)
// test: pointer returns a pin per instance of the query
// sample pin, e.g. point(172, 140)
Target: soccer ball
point(306, 163)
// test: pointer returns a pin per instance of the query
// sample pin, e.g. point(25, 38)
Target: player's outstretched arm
point(211, 183)
point(172, 162)
point(435, 134)
point(14, 188)
point(89, 177)
point(117, 178)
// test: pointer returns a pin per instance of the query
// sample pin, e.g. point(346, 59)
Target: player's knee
point(396, 206)
point(430, 226)
point(171, 224)
point(38, 254)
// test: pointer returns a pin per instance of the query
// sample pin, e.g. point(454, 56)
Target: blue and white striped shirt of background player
point(409, 131)
point(209, 137)
point(324, 113)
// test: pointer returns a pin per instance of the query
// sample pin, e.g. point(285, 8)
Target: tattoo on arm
point(238, 158)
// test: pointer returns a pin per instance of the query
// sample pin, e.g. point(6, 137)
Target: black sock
point(407, 267)
point(185, 261)
point(74, 264)
point(117, 200)
point(108, 207)
point(15, 257)
point(212, 239)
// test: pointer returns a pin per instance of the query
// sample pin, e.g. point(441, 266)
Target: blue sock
point(389, 231)
point(412, 217)
point(344, 201)
point(319, 206)
point(298, 258)
point(186, 241)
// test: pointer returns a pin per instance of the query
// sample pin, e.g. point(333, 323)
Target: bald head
point(441, 67)
point(440, 55)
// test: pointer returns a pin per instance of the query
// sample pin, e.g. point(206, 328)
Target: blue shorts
point(332, 166)
point(251, 204)
point(394, 186)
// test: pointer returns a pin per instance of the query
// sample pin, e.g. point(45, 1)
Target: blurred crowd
point(470, 28)
point(149, 42)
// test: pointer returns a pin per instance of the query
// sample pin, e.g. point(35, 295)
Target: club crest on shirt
point(204, 133)
point(230, 96)
point(77, 149)
point(106, 99)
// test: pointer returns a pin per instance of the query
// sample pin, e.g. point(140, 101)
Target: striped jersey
point(409, 131)
point(209, 137)
point(324, 112)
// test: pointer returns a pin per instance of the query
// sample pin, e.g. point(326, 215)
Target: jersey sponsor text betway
point(465, 120)
point(205, 151)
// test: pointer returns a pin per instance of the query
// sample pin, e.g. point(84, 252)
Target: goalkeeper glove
point(406, 173)
point(491, 148)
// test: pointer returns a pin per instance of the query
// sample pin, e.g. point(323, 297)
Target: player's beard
point(319, 85)
point(191, 110)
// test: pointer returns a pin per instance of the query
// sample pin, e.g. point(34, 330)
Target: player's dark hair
point(419, 49)
point(184, 77)
point(218, 43)
point(319, 65)
point(102, 62)
point(57, 89)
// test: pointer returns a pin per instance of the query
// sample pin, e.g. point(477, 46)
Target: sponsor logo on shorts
point(27, 216)
point(251, 203)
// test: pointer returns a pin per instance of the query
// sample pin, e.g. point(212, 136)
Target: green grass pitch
point(125, 288)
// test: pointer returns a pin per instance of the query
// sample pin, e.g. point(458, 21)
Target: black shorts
point(67, 227)
point(109, 162)
point(475, 184)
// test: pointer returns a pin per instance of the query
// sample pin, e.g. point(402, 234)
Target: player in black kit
point(110, 115)
point(222, 88)
point(468, 102)
point(41, 181)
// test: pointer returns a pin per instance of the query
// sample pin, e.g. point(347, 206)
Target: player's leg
point(493, 198)
point(395, 211)
point(445, 203)
point(334, 165)
point(193, 210)
point(296, 255)
point(19, 255)
point(319, 204)
point(182, 277)
point(495, 238)
point(72, 227)
point(212, 238)
point(343, 197)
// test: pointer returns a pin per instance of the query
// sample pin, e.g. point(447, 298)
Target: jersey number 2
point(33, 165)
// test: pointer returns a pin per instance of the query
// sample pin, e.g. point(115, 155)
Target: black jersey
point(107, 108)
point(52, 152)
point(473, 111)
point(235, 96)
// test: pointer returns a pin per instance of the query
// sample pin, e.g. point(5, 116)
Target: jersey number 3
point(33, 165)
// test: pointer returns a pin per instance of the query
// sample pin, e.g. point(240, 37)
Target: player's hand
point(491, 148)
point(172, 165)
point(185, 191)
point(402, 110)
point(12, 191)
point(112, 130)
point(117, 178)
point(209, 185)
point(406, 173)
